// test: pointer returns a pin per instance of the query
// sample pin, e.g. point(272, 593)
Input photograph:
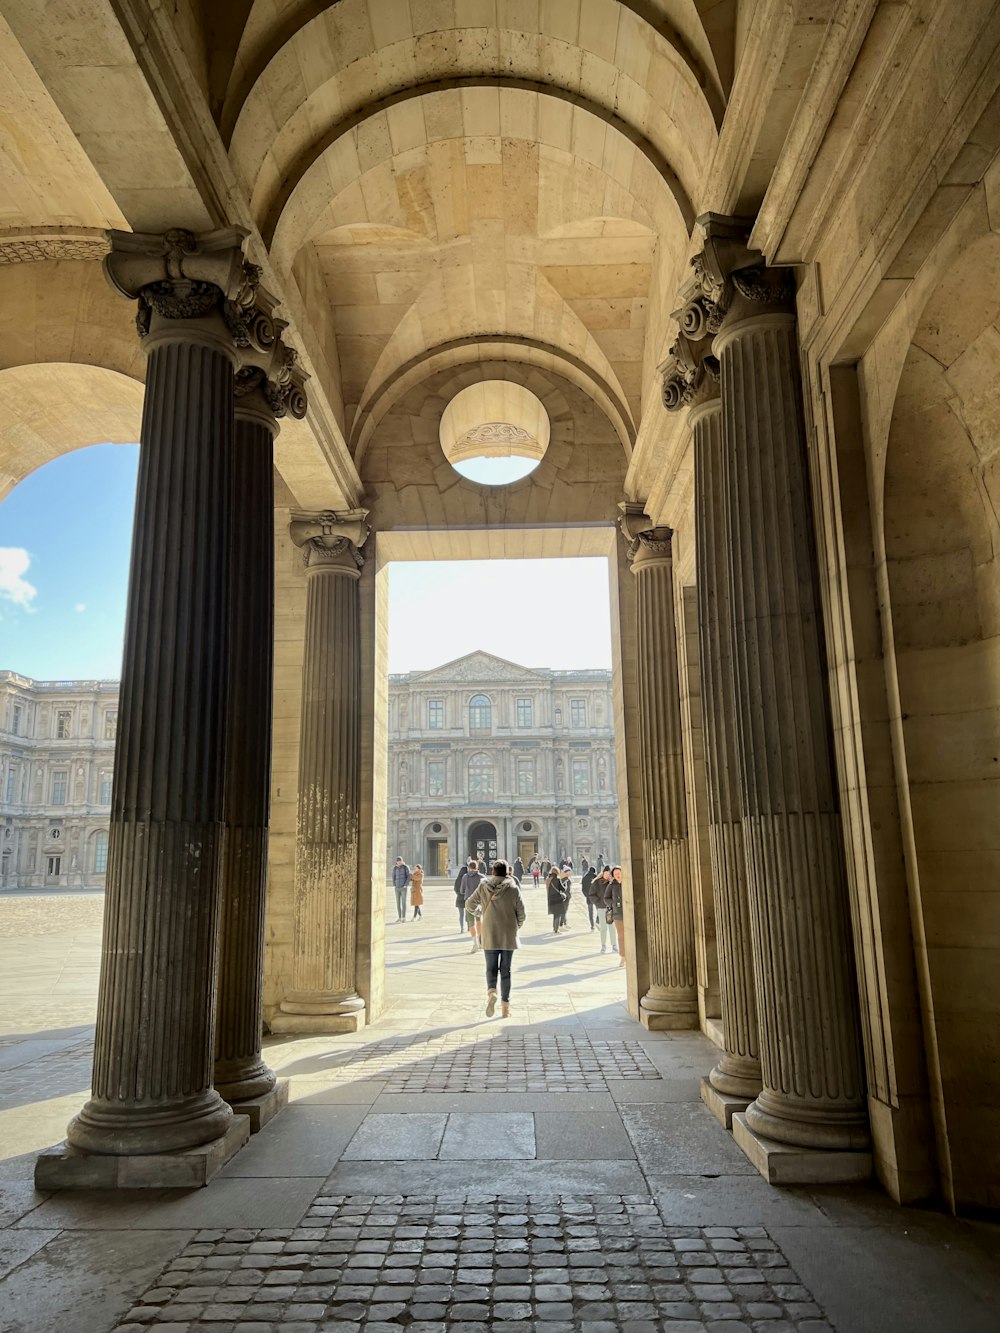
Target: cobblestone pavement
point(521, 1063)
point(471, 1264)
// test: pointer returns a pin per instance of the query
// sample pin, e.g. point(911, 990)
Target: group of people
point(602, 892)
point(408, 883)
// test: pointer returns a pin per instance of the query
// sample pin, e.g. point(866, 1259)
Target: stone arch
point(941, 520)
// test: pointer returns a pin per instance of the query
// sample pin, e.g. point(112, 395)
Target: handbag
point(609, 915)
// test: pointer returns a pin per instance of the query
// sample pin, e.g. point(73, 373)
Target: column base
point(785, 1164)
point(283, 1024)
point(67, 1168)
point(260, 1110)
point(669, 1012)
point(722, 1105)
point(713, 1031)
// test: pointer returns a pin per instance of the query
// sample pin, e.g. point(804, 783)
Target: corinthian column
point(325, 996)
point(267, 389)
point(691, 379)
point(672, 999)
point(152, 1077)
point(813, 1086)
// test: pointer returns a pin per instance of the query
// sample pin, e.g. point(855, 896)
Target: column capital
point(646, 542)
point(330, 539)
point(191, 287)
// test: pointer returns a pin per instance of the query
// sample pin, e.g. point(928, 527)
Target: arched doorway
point(482, 841)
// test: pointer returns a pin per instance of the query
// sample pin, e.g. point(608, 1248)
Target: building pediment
point(477, 667)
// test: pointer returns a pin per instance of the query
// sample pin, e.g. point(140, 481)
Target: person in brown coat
point(417, 890)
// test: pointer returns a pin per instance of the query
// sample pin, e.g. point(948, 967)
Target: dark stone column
point(152, 1079)
point(265, 392)
point(813, 1084)
point(325, 996)
point(671, 1000)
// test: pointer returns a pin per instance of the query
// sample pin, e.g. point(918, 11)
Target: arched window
point(480, 713)
point(100, 852)
point(480, 777)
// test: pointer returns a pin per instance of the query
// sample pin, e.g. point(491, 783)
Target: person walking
point(460, 898)
point(518, 871)
point(586, 888)
point(535, 870)
point(417, 891)
point(555, 898)
point(604, 914)
point(613, 900)
point(499, 901)
point(471, 881)
point(566, 876)
point(400, 881)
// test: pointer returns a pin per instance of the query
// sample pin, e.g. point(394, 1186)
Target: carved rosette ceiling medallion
point(34, 246)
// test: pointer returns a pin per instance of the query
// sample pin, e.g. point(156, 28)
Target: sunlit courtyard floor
point(441, 1172)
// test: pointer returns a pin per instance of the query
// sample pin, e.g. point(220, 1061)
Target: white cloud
point(14, 562)
point(80, 606)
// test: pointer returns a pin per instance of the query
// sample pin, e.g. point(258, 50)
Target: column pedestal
point(325, 997)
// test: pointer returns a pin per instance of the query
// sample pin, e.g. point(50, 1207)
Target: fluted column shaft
point(672, 1000)
point(240, 1070)
point(737, 1073)
point(324, 995)
point(813, 1093)
point(152, 1081)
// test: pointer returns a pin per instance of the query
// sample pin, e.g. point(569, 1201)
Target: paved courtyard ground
point(442, 1172)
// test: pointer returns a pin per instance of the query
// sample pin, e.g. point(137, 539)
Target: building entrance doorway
point(437, 856)
point(526, 849)
point(483, 841)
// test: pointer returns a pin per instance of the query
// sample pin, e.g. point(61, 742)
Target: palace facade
point(57, 749)
point(488, 758)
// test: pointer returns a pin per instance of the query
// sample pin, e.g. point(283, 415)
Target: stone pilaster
point(671, 1000)
point(691, 379)
point(152, 1079)
point(267, 389)
point(325, 996)
point(813, 1087)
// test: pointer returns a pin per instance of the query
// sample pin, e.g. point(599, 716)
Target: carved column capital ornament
point(331, 539)
point(269, 381)
point(644, 541)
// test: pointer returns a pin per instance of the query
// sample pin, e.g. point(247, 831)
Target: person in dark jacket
point(400, 881)
point(518, 871)
point(613, 899)
point(604, 914)
point(586, 886)
point(501, 908)
point(556, 898)
point(471, 881)
point(460, 898)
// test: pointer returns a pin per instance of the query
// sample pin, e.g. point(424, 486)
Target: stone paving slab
point(494, 1136)
point(466, 1264)
point(533, 1178)
point(583, 1136)
point(397, 1138)
point(682, 1139)
point(302, 1141)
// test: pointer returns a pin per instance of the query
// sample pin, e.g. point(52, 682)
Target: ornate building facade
point(489, 758)
point(57, 749)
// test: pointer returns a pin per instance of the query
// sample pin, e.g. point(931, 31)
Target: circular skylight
point(494, 432)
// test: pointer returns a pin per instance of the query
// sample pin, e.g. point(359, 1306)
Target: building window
point(480, 776)
point(100, 852)
point(524, 713)
point(110, 725)
point(17, 712)
point(558, 717)
point(11, 783)
point(59, 787)
point(435, 714)
point(435, 777)
point(55, 865)
point(525, 777)
point(578, 712)
point(64, 719)
point(480, 713)
point(104, 787)
point(581, 777)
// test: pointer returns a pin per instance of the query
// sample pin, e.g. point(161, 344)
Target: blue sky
point(65, 534)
